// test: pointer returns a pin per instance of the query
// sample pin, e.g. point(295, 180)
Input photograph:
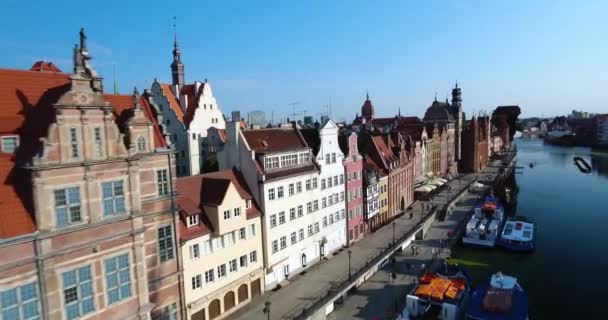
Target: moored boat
point(518, 234)
point(503, 299)
point(486, 223)
point(439, 295)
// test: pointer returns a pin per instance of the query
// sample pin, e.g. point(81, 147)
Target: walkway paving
point(372, 299)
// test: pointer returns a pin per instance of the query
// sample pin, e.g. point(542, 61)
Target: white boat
point(484, 227)
point(518, 234)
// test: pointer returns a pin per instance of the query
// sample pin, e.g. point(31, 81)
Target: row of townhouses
point(154, 206)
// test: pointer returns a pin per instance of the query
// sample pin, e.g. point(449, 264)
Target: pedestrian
point(412, 250)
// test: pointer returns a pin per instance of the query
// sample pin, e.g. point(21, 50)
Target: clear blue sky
point(547, 56)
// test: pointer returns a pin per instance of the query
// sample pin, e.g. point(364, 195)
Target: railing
point(325, 295)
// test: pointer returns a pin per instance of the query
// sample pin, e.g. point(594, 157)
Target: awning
point(425, 188)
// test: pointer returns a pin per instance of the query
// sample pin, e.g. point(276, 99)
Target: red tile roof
point(173, 101)
point(44, 66)
point(274, 139)
point(26, 109)
point(209, 189)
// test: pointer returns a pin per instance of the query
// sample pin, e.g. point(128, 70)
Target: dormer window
point(9, 144)
point(248, 203)
point(141, 144)
point(271, 163)
point(193, 220)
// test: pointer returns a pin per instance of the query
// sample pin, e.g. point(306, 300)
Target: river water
point(566, 277)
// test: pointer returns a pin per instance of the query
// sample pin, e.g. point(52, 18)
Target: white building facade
point(186, 112)
point(284, 178)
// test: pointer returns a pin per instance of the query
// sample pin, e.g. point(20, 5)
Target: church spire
point(177, 67)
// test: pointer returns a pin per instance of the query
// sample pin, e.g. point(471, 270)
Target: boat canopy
point(518, 230)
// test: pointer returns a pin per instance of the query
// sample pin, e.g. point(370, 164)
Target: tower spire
point(367, 95)
point(177, 67)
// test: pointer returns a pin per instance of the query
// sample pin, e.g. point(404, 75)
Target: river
point(566, 277)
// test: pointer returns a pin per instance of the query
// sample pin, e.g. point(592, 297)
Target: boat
point(486, 223)
point(441, 295)
point(518, 234)
point(532, 164)
point(503, 299)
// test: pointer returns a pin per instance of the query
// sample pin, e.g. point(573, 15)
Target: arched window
point(141, 144)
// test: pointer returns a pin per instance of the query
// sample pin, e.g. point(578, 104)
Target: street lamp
point(267, 309)
point(349, 274)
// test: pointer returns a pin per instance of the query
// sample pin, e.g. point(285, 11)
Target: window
point(292, 213)
point(300, 211)
point(335, 180)
point(237, 212)
point(341, 213)
point(9, 144)
point(341, 195)
point(301, 234)
point(317, 227)
point(281, 217)
point(322, 184)
point(324, 221)
point(193, 220)
point(333, 158)
point(74, 142)
point(329, 182)
point(226, 214)
point(304, 158)
point(327, 159)
point(271, 162)
point(209, 276)
point(221, 271)
point(253, 256)
point(232, 266)
point(314, 183)
point(248, 204)
point(194, 136)
point(331, 200)
point(299, 186)
point(170, 312)
point(308, 184)
point(97, 142)
point(286, 270)
point(275, 246)
point(218, 243)
point(273, 220)
point(243, 261)
point(337, 214)
point(283, 243)
point(289, 160)
point(291, 189)
point(309, 207)
point(316, 205)
point(252, 230)
point(207, 249)
point(196, 282)
point(271, 194)
point(113, 198)
point(78, 292)
point(242, 234)
point(324, 202)
point(229, 239)
point(162, 182)
point(194, 251)
point(310, 230)
point(331, 219)
point(20, 302)
point(294, 237)
point(341, 178)
point(67, 206)
point(336, 198)
point(280, 192)
point(165, 243)
point(141, 144)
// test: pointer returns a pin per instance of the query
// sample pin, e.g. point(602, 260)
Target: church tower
point(177, 67)
point(458, 117)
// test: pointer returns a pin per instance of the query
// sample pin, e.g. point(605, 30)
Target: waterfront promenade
point(373, 298)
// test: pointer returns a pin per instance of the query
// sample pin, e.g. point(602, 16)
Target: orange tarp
point(437, 288)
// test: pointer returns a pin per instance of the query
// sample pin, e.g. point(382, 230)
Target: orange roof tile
point(15, 218)
point(173, 101)
point(44, 66)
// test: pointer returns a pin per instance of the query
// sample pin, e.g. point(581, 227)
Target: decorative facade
point(290, 183)
point(88, 227)
point(353, 170)
point(186, 112)
point(221, 244)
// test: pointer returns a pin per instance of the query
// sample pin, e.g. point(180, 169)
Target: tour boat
point(485, 225)
point(439, 295)
point(503, 299)
point(518, 234)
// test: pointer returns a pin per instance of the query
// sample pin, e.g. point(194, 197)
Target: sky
point(549, 57)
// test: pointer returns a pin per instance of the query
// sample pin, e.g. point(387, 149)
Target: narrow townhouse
point(353, 169)
point(221, 244)
point(371, 194)
point(283, 176)
point(87, 215)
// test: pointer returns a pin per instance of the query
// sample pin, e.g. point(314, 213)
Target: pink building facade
point(353, 169)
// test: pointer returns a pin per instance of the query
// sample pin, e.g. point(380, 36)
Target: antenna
point(295, 113)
